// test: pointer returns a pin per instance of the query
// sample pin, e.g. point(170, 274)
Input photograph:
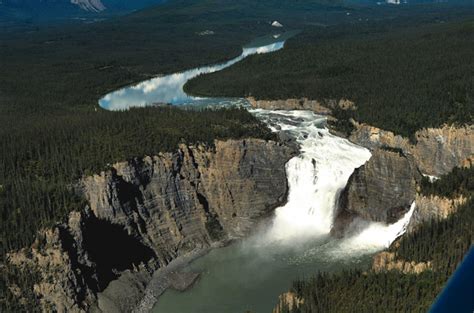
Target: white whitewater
point(315, 178)
point(374, 236)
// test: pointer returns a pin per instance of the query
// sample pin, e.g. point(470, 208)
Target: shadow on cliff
point(112, 249)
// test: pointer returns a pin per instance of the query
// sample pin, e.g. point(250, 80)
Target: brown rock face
point(146, 212)
point(381, 190)
point(433, 207)
point(290, 104)
point(192, 197)
point(387, 261)
point(288, 301)
point(437, 151)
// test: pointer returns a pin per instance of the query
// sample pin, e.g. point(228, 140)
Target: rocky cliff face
point(303, 104)
point(433, 207)
point(387, 261)
point(144, 213)
point(290, 104)
point(436, 152)
point(385, 186)
point(288, 301)
point(381, 190)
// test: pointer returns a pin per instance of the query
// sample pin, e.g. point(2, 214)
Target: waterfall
point(376, 236)
point(315, 178)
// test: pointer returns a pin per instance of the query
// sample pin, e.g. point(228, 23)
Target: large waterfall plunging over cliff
point(315, 177)
point(250, 274)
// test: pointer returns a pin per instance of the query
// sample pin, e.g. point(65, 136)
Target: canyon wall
point(381, 190)
point(384, 184)
point(436, 151)
point(144, 213)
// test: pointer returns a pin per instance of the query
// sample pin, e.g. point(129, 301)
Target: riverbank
point(171, 276)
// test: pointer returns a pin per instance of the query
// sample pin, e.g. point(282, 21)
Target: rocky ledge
point(436, 151)
point(145, 213)
point(381, 190)
point(387, 261)
point(318, 107)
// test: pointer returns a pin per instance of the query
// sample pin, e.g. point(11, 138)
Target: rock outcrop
point(144, 213)
point(287, 301)
point(381, 190)
point(387, 261)
point(433, 207)
point(290, 104)
point(436, 152)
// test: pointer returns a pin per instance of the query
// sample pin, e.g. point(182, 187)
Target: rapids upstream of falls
point(252, 273)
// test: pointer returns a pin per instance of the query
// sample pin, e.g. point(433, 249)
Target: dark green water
point(249, 276)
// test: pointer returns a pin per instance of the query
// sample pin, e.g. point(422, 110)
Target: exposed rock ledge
point(287, 302)
point(147, 212)
point(302, 104)
point(386, 261)
point(436, 152)
point(433, 207)
point(381, 190)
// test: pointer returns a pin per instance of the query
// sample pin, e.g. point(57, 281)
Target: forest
point(443, 242)
point(458, 182)
point(401, 81)
point(52, 131)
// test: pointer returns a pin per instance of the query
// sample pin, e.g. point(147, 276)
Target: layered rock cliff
point(290, 104)
point(287, 302)
point(387, 183)
point(436, 151)
point(433, 207)
point(381, 190)
point(144, 213)
point(387, 261)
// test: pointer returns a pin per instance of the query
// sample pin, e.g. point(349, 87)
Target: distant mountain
point(57, 8)
point(90, 5)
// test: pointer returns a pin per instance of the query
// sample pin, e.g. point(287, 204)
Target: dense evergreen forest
point(52, 77)
point(460, 181)
point(40, 164)
point(443, 242)
point(52, 131)
point(400, 81)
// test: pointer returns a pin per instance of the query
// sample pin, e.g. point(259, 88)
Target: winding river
point(295, 243)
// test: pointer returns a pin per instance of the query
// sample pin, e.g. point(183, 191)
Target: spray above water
point(374, 236)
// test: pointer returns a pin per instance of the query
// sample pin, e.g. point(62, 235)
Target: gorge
point(315, 177)
point(174, 207)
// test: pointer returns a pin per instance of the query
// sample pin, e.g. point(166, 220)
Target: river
point(295, 242)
